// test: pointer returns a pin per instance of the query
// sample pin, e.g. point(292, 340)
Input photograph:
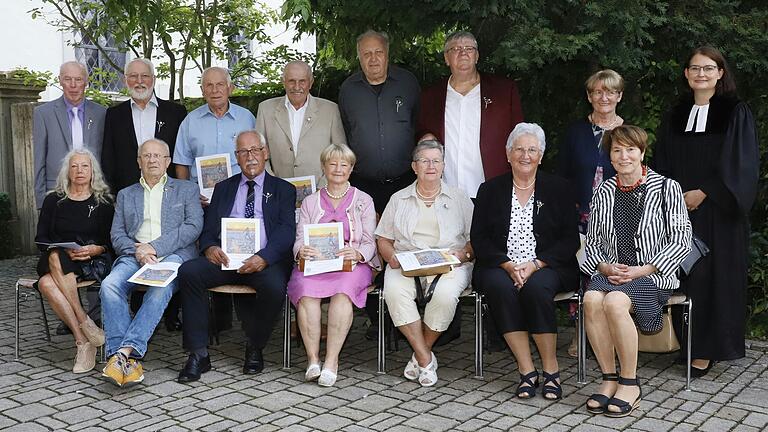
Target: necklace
point(633, 186)
point(610, 126)
point(428, 200)
point(530, 185)
point(337, 197)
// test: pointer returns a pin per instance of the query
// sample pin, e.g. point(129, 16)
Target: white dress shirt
point(295, 119)
point(463, 163)
point(144, 120)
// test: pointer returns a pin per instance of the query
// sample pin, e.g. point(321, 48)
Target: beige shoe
point(94, 334)
point(85, 359)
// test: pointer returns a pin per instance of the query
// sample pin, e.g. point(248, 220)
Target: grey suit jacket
point(181, 224)
point(321, 127)
point(52, 140)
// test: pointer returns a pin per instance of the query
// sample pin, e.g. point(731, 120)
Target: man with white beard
point(134, 121)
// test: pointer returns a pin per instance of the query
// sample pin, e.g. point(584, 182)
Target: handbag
point(699, 249)
point(663, 341)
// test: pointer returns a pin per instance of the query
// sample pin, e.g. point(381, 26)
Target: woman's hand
point(308, 252)
point(619, 274)
point(393, 262)
point(85, 253)
point(350, 254)
point(693, 199)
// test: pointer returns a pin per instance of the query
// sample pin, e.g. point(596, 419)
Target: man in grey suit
point(156, 220)
point(61, 125)
point(298, 126)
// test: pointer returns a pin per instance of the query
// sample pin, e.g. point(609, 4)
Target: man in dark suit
point(253, 193)
point(135, 121)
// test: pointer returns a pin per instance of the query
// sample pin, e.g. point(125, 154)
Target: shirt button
point(637, 249)
point(637, 236)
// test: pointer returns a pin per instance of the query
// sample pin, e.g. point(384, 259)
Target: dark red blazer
point(499, 113)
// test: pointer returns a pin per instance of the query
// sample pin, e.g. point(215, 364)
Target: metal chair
point(30, 282)
point(245, 289)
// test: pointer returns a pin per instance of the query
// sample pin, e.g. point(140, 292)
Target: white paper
point(328, 238)
point(426, 258)
point(240, 240)
point(305, 186)
point(211, 170)
point(64, 245)
point(158, 275)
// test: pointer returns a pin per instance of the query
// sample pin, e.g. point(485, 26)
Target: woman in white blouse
point(428, 214)
point(525, 235)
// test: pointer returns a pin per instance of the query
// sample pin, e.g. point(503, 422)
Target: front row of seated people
point(522, 227)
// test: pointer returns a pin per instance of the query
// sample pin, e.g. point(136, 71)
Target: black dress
point(64, 220)
point(723, 162)
point(647, 299)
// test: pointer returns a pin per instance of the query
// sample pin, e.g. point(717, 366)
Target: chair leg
point(478, 335)
point(103, 348)
point(381, 367)
point(287, 334)
point(213, 331)
point(45, 316)
point(581, 345)
point(687, 323)
point(16, 357)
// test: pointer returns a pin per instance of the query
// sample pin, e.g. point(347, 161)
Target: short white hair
point(80, 66)
point(301, 63)
point(259, 135)
point(156, 140)
point(140, 60)
point(225, 71)
point(527, 129)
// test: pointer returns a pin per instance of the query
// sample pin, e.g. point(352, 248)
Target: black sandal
point(551, 389)
point(529, 391)
point(601, 398)
point(625, 408)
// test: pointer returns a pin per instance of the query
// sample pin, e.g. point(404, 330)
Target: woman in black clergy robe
point(708, 143)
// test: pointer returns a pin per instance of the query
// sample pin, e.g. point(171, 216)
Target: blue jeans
point(122, 331)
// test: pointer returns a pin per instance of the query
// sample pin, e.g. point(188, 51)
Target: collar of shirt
point(411, 191)
point(259, 179)
point(70, 105)
point(289, 106)
point(162, 182)
point(152, 100)
point(391, 75)
point(230, 112)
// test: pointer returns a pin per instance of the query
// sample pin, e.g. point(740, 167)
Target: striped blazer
point(651, 243)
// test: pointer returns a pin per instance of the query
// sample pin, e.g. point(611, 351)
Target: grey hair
point(140, 60)
point(427, 145)
point(298, 63)
point(79, 65)
point(262, 138)
point(225, 71)
point(157, 140)
point(461, 34)
point(99, 187)
point(382, 36)
point(527, 129)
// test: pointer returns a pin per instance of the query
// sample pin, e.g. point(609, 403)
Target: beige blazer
point(322, 127)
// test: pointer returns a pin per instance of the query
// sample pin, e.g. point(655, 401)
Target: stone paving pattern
point(39, 392)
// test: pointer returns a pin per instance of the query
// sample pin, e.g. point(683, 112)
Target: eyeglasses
point(135, 76)
point(253, 151)
point(708, 69)
point(532, 151)
point(610, 94)
point(72, 80)
point(427, 162)
point(150, 156)
point(462, 49)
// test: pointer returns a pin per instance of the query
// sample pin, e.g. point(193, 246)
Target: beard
point(141, 94)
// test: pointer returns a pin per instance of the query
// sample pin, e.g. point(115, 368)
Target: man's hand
point(216, 255)
point(145, 253)
point(252, 264)
point(204, 201)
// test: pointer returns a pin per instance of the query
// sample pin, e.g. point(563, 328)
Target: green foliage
point(552, 46)
point(30, 77)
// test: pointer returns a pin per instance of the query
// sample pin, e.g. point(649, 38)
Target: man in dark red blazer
point(472, 114)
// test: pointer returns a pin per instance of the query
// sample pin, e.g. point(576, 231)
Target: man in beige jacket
point(299, 126)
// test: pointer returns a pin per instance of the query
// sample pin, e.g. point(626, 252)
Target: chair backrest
point(581, 254)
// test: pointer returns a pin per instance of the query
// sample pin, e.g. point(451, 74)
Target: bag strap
point(423, 298)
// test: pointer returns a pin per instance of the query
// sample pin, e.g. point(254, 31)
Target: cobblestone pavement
point(39, 391)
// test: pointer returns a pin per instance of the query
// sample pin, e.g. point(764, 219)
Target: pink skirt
point(354, 284)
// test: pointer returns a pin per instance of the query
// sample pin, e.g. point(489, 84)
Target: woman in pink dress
point(337, 202)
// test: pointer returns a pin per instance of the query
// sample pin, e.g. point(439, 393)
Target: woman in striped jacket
point(633, 252)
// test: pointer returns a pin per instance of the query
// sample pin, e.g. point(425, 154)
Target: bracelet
point(538, 267)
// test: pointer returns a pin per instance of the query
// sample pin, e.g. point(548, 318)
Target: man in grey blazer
point(156, 220)
point(61, 125)
point(298, 126)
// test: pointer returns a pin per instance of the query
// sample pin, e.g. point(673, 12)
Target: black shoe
point(62, 329)
point(172, 323)
point(625, 408)
point(254, 361)
point(698, 373)
point(372, 333)
point(600, 398)
point(194, 367)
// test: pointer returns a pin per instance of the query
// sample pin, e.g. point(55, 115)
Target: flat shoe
point(94, 334)
point(313, 372)
point(698, 373)
point(85, 359)
point(327, 378)
point(428, 374)
point(411, 371)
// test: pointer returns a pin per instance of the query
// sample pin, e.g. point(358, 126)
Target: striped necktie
point(249, 200)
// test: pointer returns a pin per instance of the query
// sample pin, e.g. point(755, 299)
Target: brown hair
point(726, 86)
point(625, 135)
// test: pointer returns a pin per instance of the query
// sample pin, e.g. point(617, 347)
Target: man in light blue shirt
point(212, 128)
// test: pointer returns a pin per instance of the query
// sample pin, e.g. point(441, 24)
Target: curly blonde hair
point(99, 188)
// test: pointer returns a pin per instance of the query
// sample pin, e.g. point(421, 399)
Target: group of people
point(451, 167)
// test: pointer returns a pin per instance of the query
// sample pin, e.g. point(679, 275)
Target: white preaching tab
point(698, 115)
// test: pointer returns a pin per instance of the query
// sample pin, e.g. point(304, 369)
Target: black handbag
point(699, 249)
point(422, 298)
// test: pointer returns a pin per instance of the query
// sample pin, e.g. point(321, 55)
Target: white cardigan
point(651, 243)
